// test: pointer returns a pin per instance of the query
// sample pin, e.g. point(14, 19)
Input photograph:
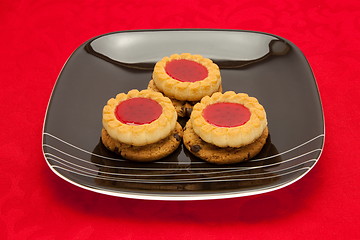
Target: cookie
point(146, 153)
point(139, 117)
point(229, 119)
point(226, 128)
point(186, 77)
point(221, 155)
point(141, 125)
point(183, 108)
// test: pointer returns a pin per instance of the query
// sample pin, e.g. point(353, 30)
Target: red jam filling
point(186, 70)
point(137, 111)
point(226, 114)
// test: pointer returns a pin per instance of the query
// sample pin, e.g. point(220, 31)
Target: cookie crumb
point(188, 111)
point(177, 137)
point(195, 148)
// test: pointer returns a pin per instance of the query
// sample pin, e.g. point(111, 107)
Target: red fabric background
point(38, 36)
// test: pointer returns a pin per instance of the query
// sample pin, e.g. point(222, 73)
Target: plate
point(265, 66)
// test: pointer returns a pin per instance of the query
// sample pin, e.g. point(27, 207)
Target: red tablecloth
point(38, 36)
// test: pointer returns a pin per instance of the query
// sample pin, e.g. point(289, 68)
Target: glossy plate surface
point(265, 66)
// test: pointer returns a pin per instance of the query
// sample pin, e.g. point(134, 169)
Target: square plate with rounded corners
point(265, 66)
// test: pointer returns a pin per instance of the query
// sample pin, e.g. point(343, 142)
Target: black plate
point(265, 66)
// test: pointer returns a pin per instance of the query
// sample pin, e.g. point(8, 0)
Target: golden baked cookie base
point(183, 108)
point(147, 153)
point(187, 91)
point(218, 155)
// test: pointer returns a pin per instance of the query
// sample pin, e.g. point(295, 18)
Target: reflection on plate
point(265, 66)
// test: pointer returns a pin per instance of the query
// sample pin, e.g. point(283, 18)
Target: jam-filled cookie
point(226, 128)
point(141, 125)
point(186, 79)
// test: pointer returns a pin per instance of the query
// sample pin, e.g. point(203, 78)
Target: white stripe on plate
point(195, 180)
point(189, 166)
point(116, 159)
